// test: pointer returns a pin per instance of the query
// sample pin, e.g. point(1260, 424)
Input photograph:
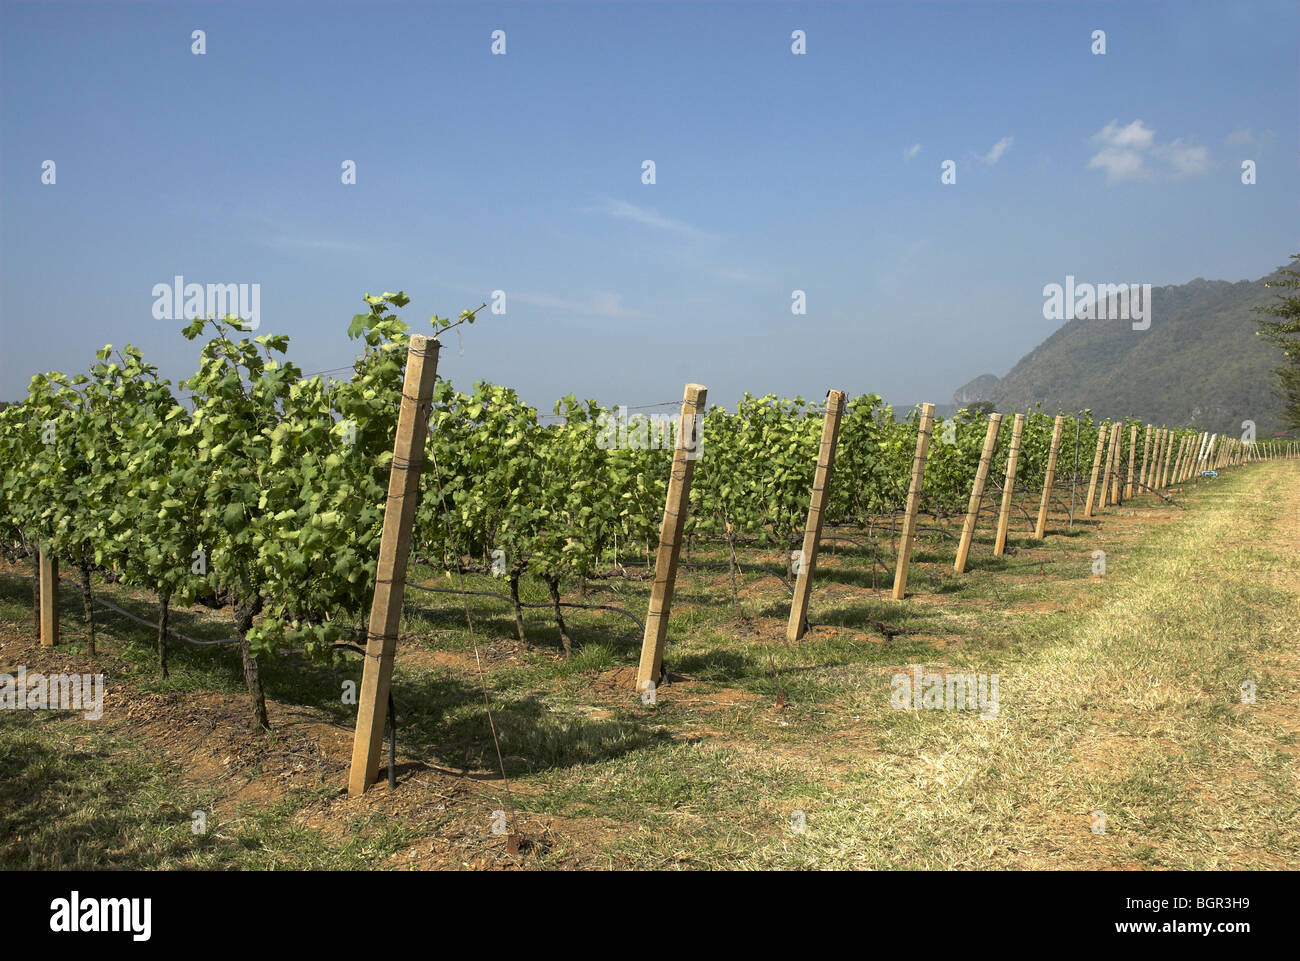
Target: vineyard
point(279, 497)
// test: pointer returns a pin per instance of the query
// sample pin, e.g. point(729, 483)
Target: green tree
point(1284, 334)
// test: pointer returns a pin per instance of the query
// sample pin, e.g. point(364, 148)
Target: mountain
point(981, 388)
point(1199, 363)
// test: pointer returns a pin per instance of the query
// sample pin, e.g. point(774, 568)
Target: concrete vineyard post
point(1050, 477)
point(913, 501)
point(670, 536)
point(1132, 461)
point(49, 598)
point(1096, 467)
point(1009, 487)
point(812, 532)
point(977, 493)
point(394, 554)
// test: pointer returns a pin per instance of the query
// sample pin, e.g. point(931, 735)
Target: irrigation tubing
point(108, 605)
point(586, 607)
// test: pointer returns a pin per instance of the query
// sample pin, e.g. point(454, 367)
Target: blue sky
point(522, 172)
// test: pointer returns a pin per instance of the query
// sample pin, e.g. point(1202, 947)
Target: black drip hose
point(392, 742)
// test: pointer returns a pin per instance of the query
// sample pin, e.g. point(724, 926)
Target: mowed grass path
point(1132, 709)
point(1124, 701)
point(1120, 696)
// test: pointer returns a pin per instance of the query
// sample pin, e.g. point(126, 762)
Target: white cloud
point(912, 151)
point(1119, 164)
point(1248, 138)
point(999, 148)
point(308, 243)
point(646, 217)
point(1136, 136)
point(1131, 152)
point(599, 303)
point(1186, 160)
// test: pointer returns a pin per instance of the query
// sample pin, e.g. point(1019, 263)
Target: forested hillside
point(1200, 363)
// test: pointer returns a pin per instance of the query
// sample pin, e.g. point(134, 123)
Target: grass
point(1119, 694)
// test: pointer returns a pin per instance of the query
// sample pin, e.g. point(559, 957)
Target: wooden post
point(1103, 496)
point(1117, 458)
point(1050, 478)
point(1132, 461)
point(1183, 453)
point(1009, 487)
point(394, 554)
point(812, 532)
point(977, 493)
point(670, 536)
point(1163, 473)
point(49, 598)
point(913, 501)
point(1146, 453)
point(1096, 466)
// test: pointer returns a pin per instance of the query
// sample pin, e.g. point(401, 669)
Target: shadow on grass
point(65, 806)
point(445, 719)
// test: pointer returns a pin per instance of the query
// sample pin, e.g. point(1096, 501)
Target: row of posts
point(1164, 463)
